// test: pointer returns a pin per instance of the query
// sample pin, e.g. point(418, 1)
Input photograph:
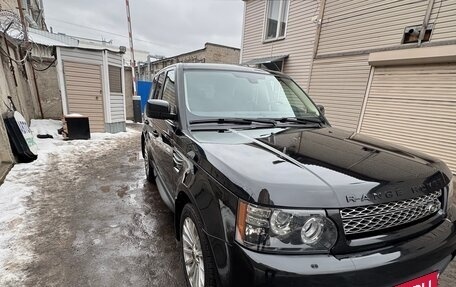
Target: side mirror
point(321, 108)
point(159, 109)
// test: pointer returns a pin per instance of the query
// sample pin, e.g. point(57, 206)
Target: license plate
point(430, 280)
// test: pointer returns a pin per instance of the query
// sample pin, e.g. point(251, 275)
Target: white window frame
point(265, 22)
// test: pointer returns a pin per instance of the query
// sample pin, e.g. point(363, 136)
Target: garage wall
point(444, 18)
point(360, 25)
point(340, 84)
point(112, 106)
point(48, 86)
point(299, 41)
point(80, 55)
point(415, 106)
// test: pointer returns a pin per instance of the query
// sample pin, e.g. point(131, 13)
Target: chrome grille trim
point(370, 218)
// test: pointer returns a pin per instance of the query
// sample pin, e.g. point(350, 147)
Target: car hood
point(317, 168)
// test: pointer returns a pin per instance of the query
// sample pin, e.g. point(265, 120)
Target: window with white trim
point(276, 19)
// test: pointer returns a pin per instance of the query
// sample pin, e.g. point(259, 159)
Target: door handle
point(155, 133)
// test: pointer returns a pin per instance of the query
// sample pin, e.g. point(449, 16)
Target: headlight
point(284, 230)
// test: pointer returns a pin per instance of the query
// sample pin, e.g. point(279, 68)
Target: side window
point(157, 85)
point(276, 19)
point(169, 91)
point(115, 79)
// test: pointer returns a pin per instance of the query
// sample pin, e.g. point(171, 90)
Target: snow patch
point(20, 184)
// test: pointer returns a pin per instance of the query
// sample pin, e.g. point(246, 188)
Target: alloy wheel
point(193, 254)
point(146, 162)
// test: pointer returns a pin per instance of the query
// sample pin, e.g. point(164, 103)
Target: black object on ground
point(137, 115)
point(46, 136)
point(18, 143)
point(76, 128)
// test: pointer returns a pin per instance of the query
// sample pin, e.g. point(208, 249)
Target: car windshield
point(234, 94)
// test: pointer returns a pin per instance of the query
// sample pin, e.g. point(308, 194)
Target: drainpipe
point(317, 38)
point(427, 17)
point(37, 90)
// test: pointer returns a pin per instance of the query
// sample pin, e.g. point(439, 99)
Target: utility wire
point(100, 30)
point(42, 70)
point(11, 58)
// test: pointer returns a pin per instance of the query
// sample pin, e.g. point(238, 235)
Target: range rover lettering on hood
point(434, 183)
point(375, 196)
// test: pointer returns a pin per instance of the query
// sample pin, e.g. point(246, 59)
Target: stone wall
point(48, 87)
point(15, 81)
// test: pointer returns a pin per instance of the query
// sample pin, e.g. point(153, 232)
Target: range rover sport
point(266, 193)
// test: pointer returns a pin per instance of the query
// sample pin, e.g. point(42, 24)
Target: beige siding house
point(381, 67)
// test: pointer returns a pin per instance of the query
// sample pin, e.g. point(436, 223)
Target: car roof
point(221, 67)
point(226, 67)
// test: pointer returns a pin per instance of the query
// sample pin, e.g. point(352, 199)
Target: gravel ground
point(94, 221)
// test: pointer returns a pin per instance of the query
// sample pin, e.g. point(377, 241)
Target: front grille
point(372, 218)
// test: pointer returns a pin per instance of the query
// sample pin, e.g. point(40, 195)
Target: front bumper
point(388, 266)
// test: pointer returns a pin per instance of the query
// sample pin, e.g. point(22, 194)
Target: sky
point(161, 27)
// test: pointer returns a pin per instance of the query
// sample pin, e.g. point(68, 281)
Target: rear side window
point(156, 86)
point(169, 91)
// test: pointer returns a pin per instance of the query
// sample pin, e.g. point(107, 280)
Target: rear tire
point(148, 166)
point(195, 250)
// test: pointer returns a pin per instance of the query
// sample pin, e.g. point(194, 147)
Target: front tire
point(197, 261)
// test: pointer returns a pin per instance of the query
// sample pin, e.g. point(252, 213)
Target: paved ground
point(94, 221)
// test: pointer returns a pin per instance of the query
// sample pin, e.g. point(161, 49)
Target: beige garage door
point(84, 92)
point(415, 106)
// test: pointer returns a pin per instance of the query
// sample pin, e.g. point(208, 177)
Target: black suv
point(266, 193)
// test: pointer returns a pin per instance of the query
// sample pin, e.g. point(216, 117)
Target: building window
point(276, 19)
point(115, 79)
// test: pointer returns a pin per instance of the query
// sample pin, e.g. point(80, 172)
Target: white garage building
point(90, 77)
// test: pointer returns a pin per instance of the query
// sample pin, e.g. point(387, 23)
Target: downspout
point(243, 33)
point(427, 17)
point(317, 39)
point(37, 90)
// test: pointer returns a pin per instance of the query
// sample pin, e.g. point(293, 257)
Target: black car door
point(152, 135)
point(164, 135)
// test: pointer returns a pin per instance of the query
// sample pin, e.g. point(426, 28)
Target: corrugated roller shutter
point(415, 106)
point(84, 92)
point(340, 85)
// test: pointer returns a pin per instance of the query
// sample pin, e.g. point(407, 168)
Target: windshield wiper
point(301, 120)
point(237, 121)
